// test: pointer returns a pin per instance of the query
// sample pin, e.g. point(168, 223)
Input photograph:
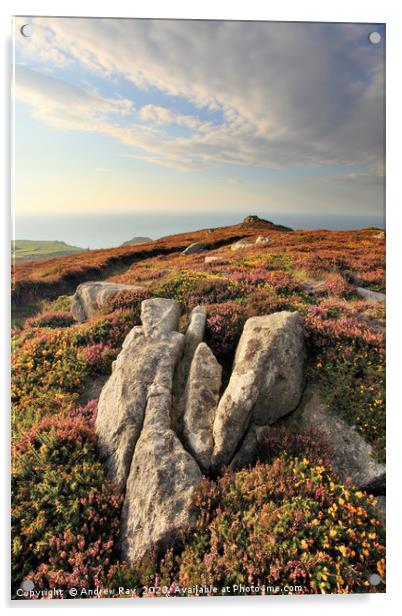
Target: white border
point(308, 10)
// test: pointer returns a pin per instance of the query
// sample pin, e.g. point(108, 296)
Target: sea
point(109, 230)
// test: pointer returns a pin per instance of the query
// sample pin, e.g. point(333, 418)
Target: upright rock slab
point(160, 488)
point(142, 363)
point(192, 338)
point(200, 401)
point(90, 297)
point(162, 479)
point(266, 381)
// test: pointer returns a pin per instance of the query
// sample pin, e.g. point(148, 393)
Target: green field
point(41, 249)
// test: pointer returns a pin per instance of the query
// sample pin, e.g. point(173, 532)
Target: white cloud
point(163, 115)
point(61, 104)
point(289, 93)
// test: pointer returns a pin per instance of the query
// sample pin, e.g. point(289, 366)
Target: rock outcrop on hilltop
point(255, 222)
point(163, 423)
point(90, 297)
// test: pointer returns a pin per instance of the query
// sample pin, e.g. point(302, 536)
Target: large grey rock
point(159, 316)
point(371, 296)
point(351, 455)
point(143, 366)
point(200, 401)
point(194, 248)
point(193, 336)
point(163, 476)
point(266, 381)
point(90, 297)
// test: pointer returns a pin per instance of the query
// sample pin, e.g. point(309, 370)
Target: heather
point(347, 360)
point(289, 520)
point(51, 365)
point(64, 510)
point(287, 523)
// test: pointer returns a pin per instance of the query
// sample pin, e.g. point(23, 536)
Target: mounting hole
point(374, 579)
point(27, 585)
point(26, 30)
point(374, 38)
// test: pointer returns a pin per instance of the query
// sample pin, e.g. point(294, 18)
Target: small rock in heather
point(92, 388)
point(314, 287)
point(261, 239)
point(241, 244)
point(247, 452)
point(211, 259)
point(370, 296)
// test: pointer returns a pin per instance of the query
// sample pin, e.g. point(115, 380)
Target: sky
point(152, 116)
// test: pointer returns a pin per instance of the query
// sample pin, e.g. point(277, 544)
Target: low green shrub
point(191, 288)
point(65, 513)
point(288, 523)
point(50, 319)
point(352, 381)
point(128, 300)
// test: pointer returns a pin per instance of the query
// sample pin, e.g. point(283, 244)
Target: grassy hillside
point(41, 249)
point(54, 276)
point(300, 524)
point(136, 240)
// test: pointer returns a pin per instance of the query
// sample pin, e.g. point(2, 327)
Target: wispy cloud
point(288, 94)
point(63, 105)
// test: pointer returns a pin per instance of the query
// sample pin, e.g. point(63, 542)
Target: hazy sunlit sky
point(115, 115)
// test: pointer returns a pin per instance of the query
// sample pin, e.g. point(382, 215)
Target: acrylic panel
point(198, 304)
